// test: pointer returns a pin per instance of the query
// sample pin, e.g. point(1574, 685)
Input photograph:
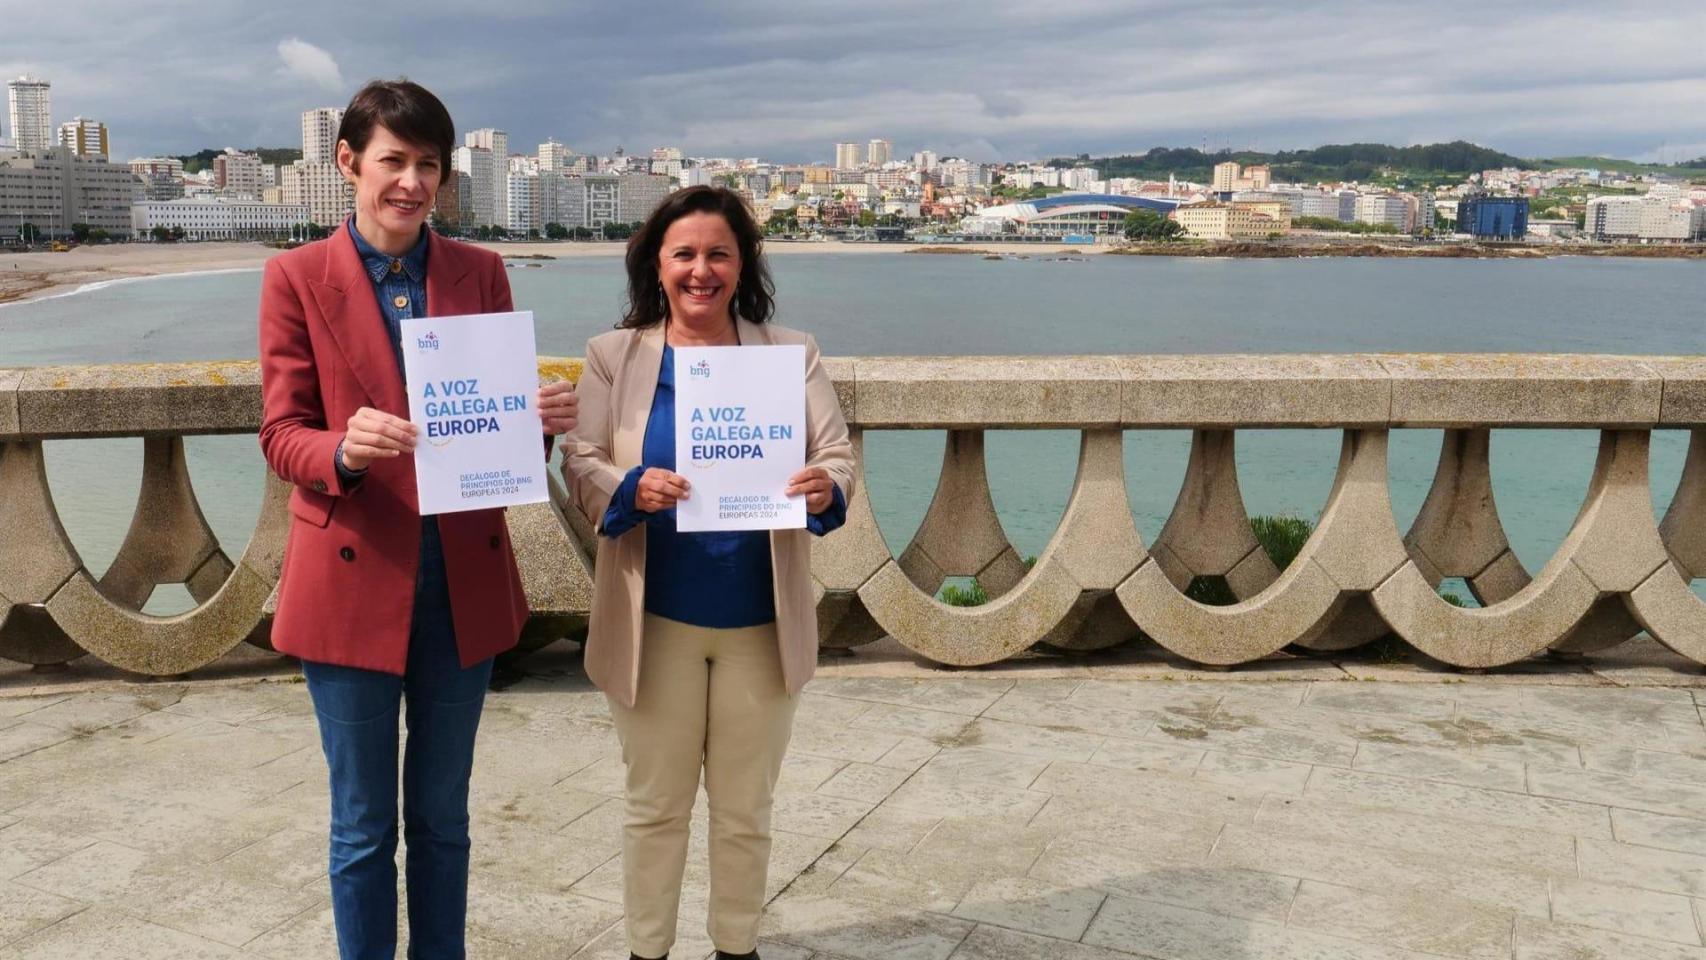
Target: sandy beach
point(31, 276)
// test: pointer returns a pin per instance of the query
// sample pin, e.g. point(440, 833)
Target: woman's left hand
point(814, 482)
point(558, 407)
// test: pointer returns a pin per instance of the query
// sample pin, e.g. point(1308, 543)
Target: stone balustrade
point(1096, 584)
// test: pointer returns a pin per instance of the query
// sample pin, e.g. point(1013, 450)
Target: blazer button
point(347, 553)
point(497, 542)
point(319, 486)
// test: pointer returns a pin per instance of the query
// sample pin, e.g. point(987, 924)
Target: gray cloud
point(998, 79)
point(311, 63)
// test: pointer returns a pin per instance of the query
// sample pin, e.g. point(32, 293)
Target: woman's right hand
point(659, 490)
point(374, 435)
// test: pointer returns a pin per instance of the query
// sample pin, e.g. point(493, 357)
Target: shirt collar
point(378, 264)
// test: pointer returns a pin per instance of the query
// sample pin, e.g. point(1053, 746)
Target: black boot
point(725, 955)
point(635, 956)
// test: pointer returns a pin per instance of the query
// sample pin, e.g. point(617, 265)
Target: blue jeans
point(357, 711)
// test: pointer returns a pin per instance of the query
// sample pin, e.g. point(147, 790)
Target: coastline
point(40, 275)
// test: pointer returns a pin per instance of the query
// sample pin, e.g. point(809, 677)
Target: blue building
point(1493, 218)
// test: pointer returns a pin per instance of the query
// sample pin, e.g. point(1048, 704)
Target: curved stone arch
point(961, 534)
point(165, 646)
point(1665, 604)
point(1611, 548)
point(39, 558)
point(844, 564)
point(1353, 549)
point(169, 540)
point(1458, 533)
point(1207, 533)
point(1095, 547)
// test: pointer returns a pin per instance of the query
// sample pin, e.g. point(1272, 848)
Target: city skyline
point(1015, 82)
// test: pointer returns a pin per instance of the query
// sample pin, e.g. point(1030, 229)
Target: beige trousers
point(710, 700)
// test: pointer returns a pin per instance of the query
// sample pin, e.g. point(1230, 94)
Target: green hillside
point(1434, 163)
point(203, 159)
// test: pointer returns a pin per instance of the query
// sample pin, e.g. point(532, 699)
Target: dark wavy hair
point(754, 296)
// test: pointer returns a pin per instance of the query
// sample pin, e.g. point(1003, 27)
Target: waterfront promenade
point(1089, 808)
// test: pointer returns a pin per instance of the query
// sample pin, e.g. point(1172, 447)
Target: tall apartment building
point(496, 144)
point(162, 177)
point(320, 134)
point(320, 187)
point(54, 188)
point(1230, 177)
point(85, 138)
point(315, 181)
point(879, 152)
point(1385, 208)
point(521, 209)
point(238, 174)
point(595, 199)
point(447, 203)
point(554, 156)
point(1643, 218)
point(924, 160)
point(479, 201)
point(847, 156)
point(29, 104)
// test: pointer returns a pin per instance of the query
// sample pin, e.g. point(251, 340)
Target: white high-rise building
point(553, 156)
point(847, 156)
point(480, 203)
point(496, 143)
point(879, 152)
point(924, 160)
point(30, 108)
point(522, 192)
point(320, 134)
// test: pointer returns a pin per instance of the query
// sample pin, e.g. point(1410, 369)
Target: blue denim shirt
point(398, 282)
point(400, 285)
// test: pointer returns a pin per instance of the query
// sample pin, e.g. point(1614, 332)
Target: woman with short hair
point(700, 641)
point(388, 611)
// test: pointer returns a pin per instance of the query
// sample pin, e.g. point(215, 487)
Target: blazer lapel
point(351, 311)
point(451, 290)
point(634, 406)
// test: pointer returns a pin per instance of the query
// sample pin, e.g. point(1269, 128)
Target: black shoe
point(635, 956)
point(724, 955)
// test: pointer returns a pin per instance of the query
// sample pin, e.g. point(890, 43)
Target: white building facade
point(219, 219)
point(29, 103)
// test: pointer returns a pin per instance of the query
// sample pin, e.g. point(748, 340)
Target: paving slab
point(1661, 916)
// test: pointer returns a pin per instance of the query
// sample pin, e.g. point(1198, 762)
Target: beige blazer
point(616, 389)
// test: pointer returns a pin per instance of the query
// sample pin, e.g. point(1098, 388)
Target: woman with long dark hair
point(700, 641)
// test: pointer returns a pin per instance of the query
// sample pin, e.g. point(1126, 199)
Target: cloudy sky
point(992, 79)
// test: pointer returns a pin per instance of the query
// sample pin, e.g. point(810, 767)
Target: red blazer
point(346, 594)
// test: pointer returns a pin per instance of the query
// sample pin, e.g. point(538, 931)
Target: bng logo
point(700, 370)
point(428, 342)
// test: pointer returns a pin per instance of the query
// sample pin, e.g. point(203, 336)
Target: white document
point(740, 433)
point(473, 383)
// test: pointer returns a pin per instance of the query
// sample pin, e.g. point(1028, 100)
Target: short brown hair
point(754, 295)
point(403, 107)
